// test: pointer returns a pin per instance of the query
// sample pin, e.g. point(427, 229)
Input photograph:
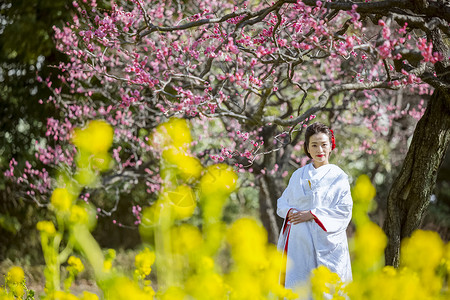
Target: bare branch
point(193, 24)
point(323, 99)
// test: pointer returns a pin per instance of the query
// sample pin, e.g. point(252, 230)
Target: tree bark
point(271, 186)
point(411, 192)
point(269, 192)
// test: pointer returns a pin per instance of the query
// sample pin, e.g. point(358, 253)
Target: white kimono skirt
point(325, 192)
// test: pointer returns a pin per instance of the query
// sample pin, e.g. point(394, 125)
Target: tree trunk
point(271, 186)
point(410, 194)
point(269, 192)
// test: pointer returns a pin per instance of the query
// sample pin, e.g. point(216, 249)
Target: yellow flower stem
point(68, 283)
point(211, 221)
point(165, 264)
point(90, 248)
point(163, 250)
point(55, 257)
point(64, 254)
point(56, 276)
point(50, 248)
point(47, 258)
point(51, 272)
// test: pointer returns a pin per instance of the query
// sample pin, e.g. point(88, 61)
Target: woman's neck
point(317, 165)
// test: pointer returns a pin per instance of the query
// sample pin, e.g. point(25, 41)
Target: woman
point(317, 208)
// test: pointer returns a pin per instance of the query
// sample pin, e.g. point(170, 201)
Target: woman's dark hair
point(313, 129)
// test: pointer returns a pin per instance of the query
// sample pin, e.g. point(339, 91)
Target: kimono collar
point(319, 173)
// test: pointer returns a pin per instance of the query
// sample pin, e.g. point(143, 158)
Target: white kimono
point(325, 192)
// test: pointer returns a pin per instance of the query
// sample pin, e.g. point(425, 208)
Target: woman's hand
point(297, 217)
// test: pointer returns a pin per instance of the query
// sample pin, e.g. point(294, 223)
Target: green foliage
point(26, 47)
point(9, 223)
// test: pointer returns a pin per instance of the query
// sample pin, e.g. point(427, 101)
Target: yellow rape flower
point(214, 234)
point(60, 295)
point(186, 238)
point(446, 258)
point(148, 290)
point(175, 132)
point(101, 161)
point(66, 181)
point(16, 275)
point(369, 243)
point(61, 199)
point(384, 284)
point(5, 296)
point(244, 285)
point(248, 241)
point(182, 201)
point(96, 137)
point(172, 293)
point(408, 286)
point(17, 290)
point(324, 282)
point(144, 261)
point(75, 265)
point(188, 167)
point(150, 216)
point(110, 255)
point(215, 186)
point(423, 250)
point(89, 164)
point(363, 191)
point(422, 253)
point(107, 266)
point(270, 275)
point(206, 286)
point(78, 215)
point(86, 177)
point(121, 288)
point(389, 271)
point(218, 179)
point(205, 264)
point(83, 159)
point(46, 226)
point(88, 296)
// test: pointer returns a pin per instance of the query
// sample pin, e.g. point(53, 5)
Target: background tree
point(26, 48)
point(27, 55)
point(263, 71)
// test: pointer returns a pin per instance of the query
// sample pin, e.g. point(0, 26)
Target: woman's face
point(319, 148)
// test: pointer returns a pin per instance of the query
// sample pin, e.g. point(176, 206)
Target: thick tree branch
point(433, 9)
point(421, 23)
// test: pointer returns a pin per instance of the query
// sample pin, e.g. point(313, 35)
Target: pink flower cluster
point(426, 49)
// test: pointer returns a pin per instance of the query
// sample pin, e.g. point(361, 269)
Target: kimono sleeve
point(283, 206)
point(337, 216)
